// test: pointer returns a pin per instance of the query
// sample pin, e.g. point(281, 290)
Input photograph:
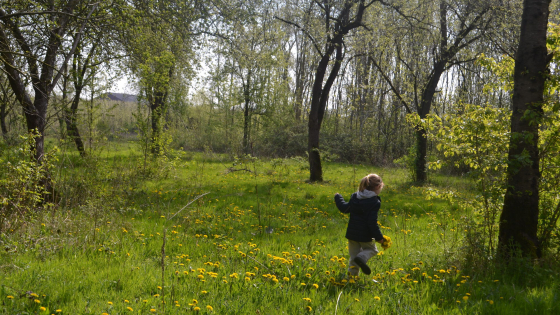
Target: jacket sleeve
point(342, 205)
point(374, 227)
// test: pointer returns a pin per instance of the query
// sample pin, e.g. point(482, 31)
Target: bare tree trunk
point(318, 106)
point(247, 115)
point(4, 112)
point(520, 215)
point(70, 117)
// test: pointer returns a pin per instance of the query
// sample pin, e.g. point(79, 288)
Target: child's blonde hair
point(370, 182)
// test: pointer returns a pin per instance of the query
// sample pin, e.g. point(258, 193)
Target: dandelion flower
point(37, 301)
point(315, 285)
point(376, 298)
point(491, 302)
point(357, 300)
point(129, 308)
point(386, 243)
point(42, 308)
point(209, 308)
point(153, 310)
point(196, 309)
point(307, 299)
point(308, 308)
point(465, 297)
point(286, 279)
point(10, 297)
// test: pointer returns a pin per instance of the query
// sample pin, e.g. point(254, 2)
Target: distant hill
point(120, 97)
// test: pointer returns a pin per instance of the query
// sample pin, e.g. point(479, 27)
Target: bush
point(22, 187)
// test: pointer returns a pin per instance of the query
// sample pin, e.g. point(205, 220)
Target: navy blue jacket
point(362, 226)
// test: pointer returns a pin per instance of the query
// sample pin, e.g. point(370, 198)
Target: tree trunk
point(300, 80)
point(3, 114)
point(519, 218)
point(423, 111)
point(246, 126)
point(246, 115)
point(318, 106)
point(157, 107)
point(70, 117)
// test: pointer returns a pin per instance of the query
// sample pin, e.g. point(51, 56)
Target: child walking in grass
point(362, 230)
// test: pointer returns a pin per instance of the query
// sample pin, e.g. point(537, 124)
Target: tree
point(33, 38)
point(158, 37)
point(520, 214)
point(338, 19)
point(252, 50)
point(6, 103)
point(432, 34)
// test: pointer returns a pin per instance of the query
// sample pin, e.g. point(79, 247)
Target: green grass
point(261, 241)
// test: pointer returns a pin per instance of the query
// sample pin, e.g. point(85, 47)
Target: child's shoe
point(363, 265)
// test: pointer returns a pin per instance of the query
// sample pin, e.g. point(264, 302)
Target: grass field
point(204, 233)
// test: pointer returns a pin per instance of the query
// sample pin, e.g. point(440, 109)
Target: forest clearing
point(244, 157)
point(203, 234)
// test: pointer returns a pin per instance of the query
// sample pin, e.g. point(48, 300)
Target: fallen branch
point(188, 204)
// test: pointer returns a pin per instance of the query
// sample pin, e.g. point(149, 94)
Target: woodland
point(254, 113)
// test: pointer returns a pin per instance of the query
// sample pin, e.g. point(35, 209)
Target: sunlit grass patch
point(261, 241)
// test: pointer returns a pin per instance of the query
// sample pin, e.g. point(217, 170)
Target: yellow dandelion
point(126, 301)
point(465, 297)
point(129, 308)
point(357, 300)
point(58, 311)
point(286, 279)
point(315, 286)
point(308, 308)
point(37, 301)
point(376, 298)
point(307, 299)
point(209, 308)
point(153, 310)
point(196, 309)
point(9, 297)
point(491, 302)
point(42, 308)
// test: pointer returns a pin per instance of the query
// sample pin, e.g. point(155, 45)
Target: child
point(362, 226)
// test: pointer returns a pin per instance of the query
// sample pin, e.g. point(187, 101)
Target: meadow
point(212, 234)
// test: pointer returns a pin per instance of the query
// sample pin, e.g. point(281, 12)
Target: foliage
point(22, 188)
